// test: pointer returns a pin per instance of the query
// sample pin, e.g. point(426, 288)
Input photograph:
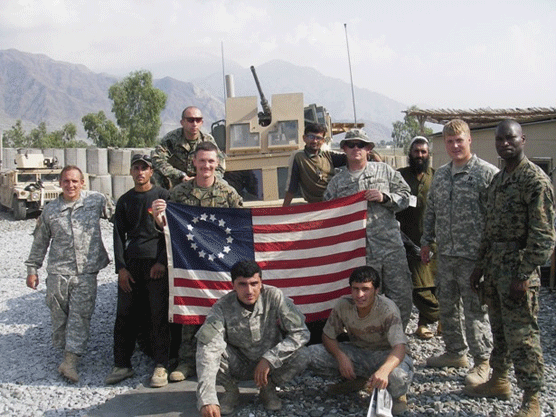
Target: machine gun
point(265, 116)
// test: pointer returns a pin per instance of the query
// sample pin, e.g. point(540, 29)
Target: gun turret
point(265, 116)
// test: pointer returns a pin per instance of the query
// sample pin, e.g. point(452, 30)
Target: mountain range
point(36, 88)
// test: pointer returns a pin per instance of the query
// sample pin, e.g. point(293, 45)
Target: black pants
point(145, 309)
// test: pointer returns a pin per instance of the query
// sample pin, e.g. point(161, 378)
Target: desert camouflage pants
point(365, 363)
point(465, 324)
point(71, 300)
point(514, 324)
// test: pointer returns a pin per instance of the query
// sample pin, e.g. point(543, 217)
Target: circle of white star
point(221, 223)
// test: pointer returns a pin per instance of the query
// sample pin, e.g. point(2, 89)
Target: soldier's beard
point(419, 165)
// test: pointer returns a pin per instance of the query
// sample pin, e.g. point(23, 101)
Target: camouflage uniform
point(371, 339)
point(219, 195)
point(72, 230)
point(519, 237)
point(411, 223)
point(385, 250)
point(455, 218)
point(233, 340)
point(173, 158)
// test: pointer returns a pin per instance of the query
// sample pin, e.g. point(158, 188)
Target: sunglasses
point(352, 145)
point(193, 119)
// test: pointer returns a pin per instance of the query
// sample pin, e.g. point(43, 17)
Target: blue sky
point(437, 54)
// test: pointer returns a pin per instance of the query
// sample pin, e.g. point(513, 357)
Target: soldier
point(140, 258)
point(253, 332)
point(173, 157)
point(418, 176)
point(387, 193)
point(311, 168)
point(518, 238)
point(70, 226)
point(375, 356)
point(204, 190)
point(454, 218)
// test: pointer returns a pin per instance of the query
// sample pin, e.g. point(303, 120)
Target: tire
point(19, 209)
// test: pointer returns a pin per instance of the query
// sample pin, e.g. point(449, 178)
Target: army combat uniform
point(455, 219)
point(385, 250)
point(218, 195)
point(72, 230)
point(233, 340)
point(173, 158)
point(519, 237)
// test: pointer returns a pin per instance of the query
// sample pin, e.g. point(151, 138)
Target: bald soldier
point(518, 239)
point(173, 157)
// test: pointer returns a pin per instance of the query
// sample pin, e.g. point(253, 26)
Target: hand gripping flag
point(308, 251)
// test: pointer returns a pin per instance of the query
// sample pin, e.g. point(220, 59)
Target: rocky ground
point(30, 385)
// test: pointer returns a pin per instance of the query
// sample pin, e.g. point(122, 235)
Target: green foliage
point(403, 132)
point(39, 137)
point(103, 132)
point(15, 137)
point(137, 106)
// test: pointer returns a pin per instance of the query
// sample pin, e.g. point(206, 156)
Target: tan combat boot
point(479, 373)
point(530, 406)
point(269, 397)
point(230, 399)
point(181, 372)
point(68, 367)
point(448, 359)
point(497, 386)
point(399, 405)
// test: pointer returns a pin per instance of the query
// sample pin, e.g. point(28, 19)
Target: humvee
point(31, 185)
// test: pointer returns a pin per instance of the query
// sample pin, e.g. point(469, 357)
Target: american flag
point(308, 251)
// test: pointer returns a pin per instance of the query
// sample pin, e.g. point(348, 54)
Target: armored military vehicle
point(31, 185)
point(258, 144)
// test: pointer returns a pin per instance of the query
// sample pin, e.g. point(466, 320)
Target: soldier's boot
point(479, 373)
point(399, 405)
point(68, 367)
point(160, 377)
point(530, 406)
point(230, 399)
point(269, 397)
point(448, 359)
point(181, 372)
point(498, 386)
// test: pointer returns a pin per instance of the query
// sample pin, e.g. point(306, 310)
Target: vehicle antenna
point(351, 77)
point(223, 75)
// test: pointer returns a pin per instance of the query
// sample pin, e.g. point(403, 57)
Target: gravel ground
point(31, 386)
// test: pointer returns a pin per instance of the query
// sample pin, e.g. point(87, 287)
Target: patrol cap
point(143, 158)
point(356, 134)
point(420, 139)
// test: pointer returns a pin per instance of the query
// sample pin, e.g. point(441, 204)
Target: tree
point(39, 137)
point(101, 131)
point(403, 132)
point(15, 137)
point(137, 106)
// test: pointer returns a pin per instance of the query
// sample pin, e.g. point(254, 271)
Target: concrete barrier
point(101, 183)
point(119, 161)
point(8, 158)
point(120, 185)
point(77, 157)
point(97, 161)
